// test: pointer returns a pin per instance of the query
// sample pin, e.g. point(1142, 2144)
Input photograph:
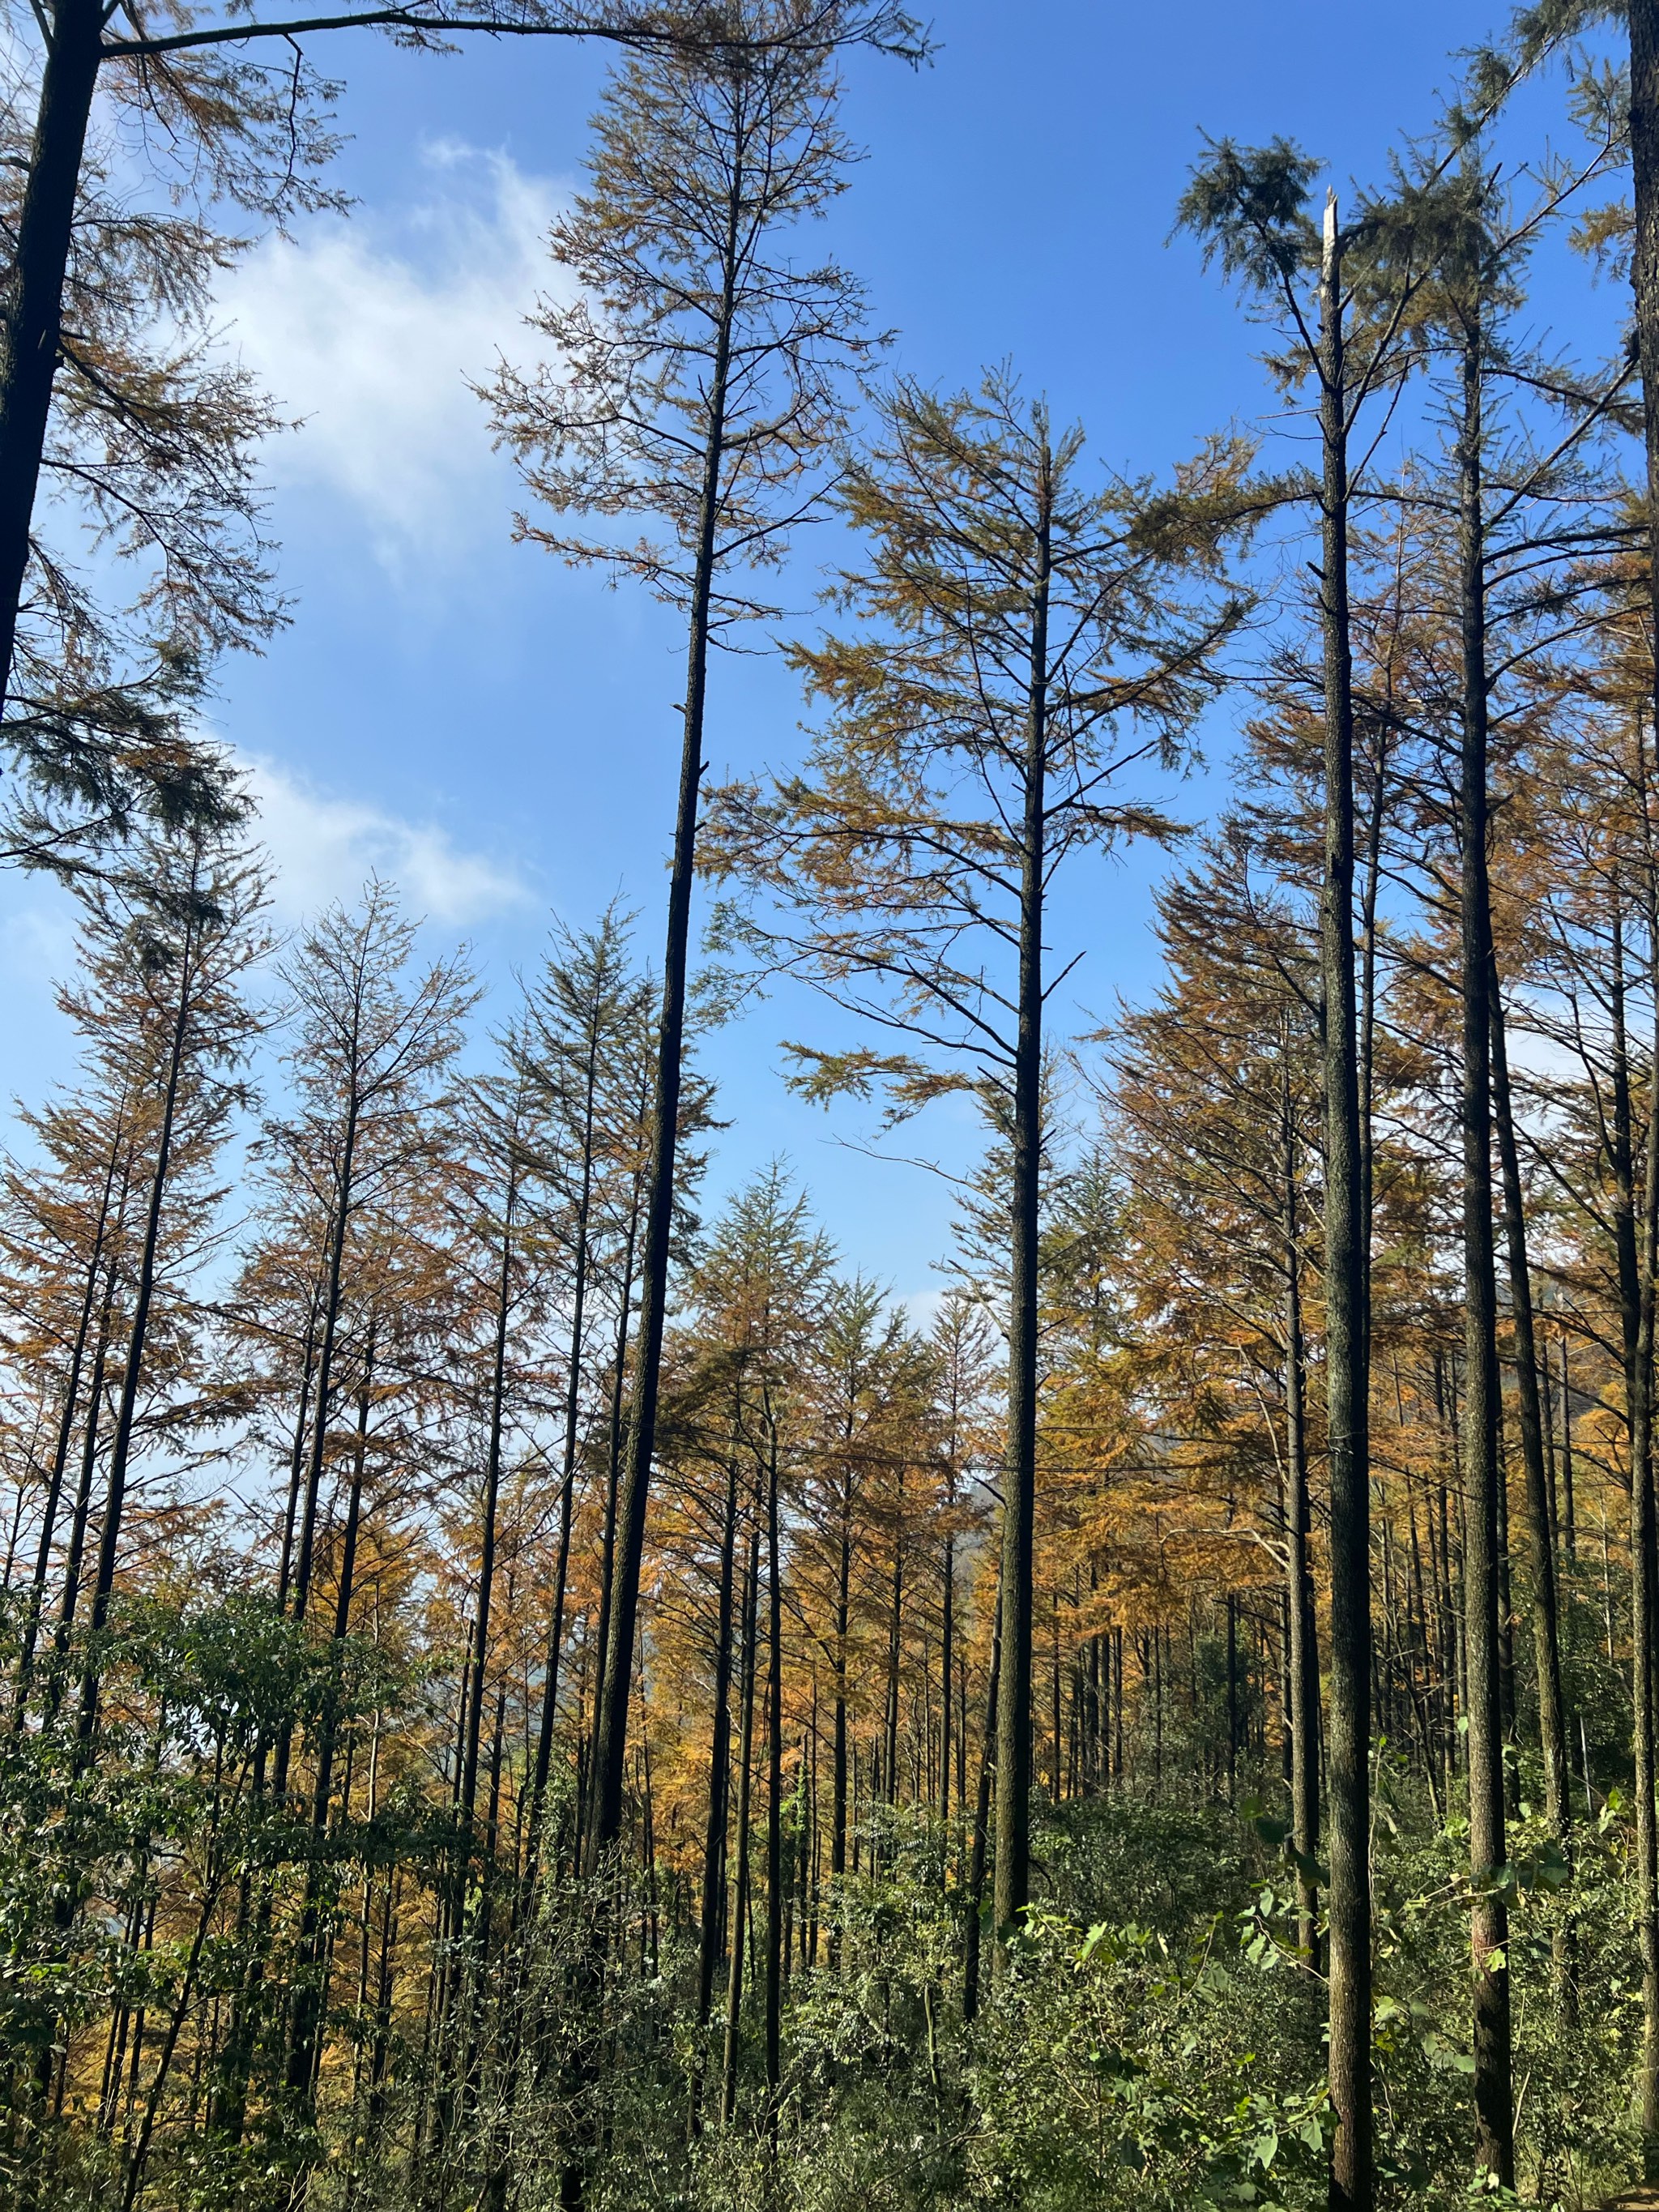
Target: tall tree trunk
point(230, 2101)
point(775, 1944)
point(842, 1622)
point(1632, 1238)
point(31, 310)
point(1366, 1025)
point(84, 1330)
point(1482, 1473)
point(947, 1660)
point(1352, 2180)
point(1302, 1634)
point(80, 1515)
point(894, 1652)
point(611, 1739)
point(344, 1198)
point(1013, 1763)
point(975, 1901)
point(305, 2038)
point(1569, 1506)
point(297, 1462)
point(740, 1882)
point(567, 1461)
point(1232, 1697)
point(467, 1977)
point(492, 1489)
point(137, 1335)
point(1643, 16)
point(1540, 1529)
point(1644, 1538)
point(720, 1771)
point(617, 1447)
point(719, 1758)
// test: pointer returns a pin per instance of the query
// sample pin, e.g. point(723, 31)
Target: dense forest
point(528, 1677)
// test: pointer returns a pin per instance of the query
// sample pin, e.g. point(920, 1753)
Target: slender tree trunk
point(1352, 2183)
point(138, 2155)
point(1645, 1602)
point(236, 2069)
point(976, 1907)
point(344, 1199)
point(619, 1446)
point(1540, 1529)
point(32, 305)
point(1644, 1633)
point(1569, 1514)
point(1366, 1026)
point(468, 1972)
point(84, 1329)
point(380, 2050)
point(1632, 1251)
point(296, 1464)
point(1304, 1700)
point(1643, 16)
point(132, 1375)
point(842, 1622)
point(740, 1882)
point(1012, 1881)
point(774, 1899)
point(611, 1740)
point(1482, 1472)
point(711, 1919)
point(305, 2039)
point(719, 1760)
point(894, 1655)
point(947, 1660)
point(568, 1462)
point(69, 1598)
point(492, 1488)
point(346, 1588)
point(1231, 1613)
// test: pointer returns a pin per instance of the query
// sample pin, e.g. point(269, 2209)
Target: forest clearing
point(535, 1672)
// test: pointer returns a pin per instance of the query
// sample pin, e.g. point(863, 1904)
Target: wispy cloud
point(370, 332)
point(37, 934)
point(324, 847)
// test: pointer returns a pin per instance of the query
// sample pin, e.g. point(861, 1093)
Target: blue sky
point(496, 733)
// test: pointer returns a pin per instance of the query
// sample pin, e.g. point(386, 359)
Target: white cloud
point(371, 334)
point(324, 849)
point(921, 1308)
point(37, 941)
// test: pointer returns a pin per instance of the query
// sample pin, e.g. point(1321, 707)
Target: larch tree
point(150, 455)
point(1248, 207)
point(120, 1218)
point(209, 122)
point(761, 1289)
point(1586, 957)
point(63, 1220)
point(1537, 31)
point(698, 387)
point(1023, 644)
point(500, 1249)
point(169, 943)
point(856, 1347)
point(1530, 510)
point(183, 923)
point(371, 1055)
point(585, 1049)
